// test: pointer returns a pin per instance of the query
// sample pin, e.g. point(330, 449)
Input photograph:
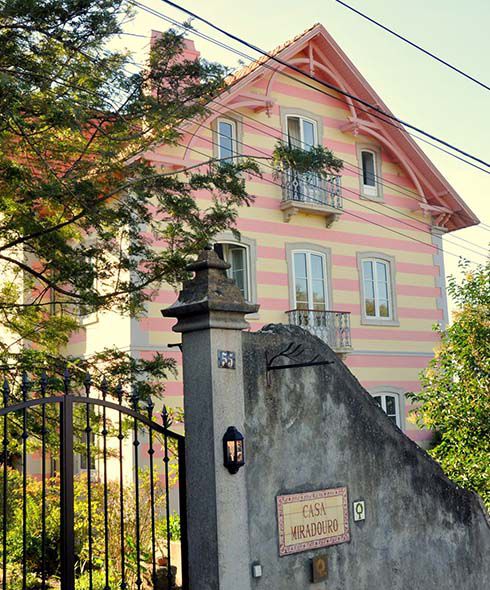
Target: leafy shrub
point(116, 529)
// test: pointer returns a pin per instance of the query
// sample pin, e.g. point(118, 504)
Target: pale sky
point(414, 86)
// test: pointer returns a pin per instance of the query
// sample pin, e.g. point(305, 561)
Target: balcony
point(333, 327)
point(309, 193)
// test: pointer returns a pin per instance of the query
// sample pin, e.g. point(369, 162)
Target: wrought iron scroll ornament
point(293, 352)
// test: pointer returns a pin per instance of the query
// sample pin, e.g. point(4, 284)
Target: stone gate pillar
point(210, 312)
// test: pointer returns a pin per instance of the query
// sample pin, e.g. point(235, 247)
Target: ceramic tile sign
point(312, 519)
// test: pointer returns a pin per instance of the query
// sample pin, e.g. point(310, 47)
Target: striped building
point(356, 259)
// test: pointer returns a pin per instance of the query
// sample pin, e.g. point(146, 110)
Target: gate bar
point(67, 549)
point(183, 513)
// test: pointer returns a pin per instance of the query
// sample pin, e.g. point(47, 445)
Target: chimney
point(190, 52)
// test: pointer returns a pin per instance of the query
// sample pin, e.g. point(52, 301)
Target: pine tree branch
point(123, 187)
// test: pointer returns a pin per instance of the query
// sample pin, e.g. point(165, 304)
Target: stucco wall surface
point(315, 428)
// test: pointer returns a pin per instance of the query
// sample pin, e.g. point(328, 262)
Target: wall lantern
point(233, 450)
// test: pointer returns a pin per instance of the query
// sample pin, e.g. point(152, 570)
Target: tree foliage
point(34, 527)
point(86, 221)
point(455, 396)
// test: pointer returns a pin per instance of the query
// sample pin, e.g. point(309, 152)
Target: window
point(309, 281)
point(377, 296)
point(237, 257)
point(84, 460)
point(369, 172)
point(227, 139)
point(370, 165)
point(88, 313)
point(377, 286)
point(302, 132)
point(389, 404)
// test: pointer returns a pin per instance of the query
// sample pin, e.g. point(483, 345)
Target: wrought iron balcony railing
point(312, 189)
point(333, 327)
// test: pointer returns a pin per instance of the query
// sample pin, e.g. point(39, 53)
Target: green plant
point(174, 525)
point(15, 551)
point(455, 396)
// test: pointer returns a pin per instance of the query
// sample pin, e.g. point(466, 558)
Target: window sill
point(379, 322)
point(291, 207)
point(252, 316)
point(375, 198)
point(87, 320)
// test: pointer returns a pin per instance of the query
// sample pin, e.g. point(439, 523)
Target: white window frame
point(91, 317)
point(378, 320)
point(377, 315)
point(366, 191)
point(248, 274)
point(302, 118)
point(293, 247)
point(309, 277)
point(228, 237)
point(382, 395)
point(80, 457)
point(389, 261)
point(234, 139)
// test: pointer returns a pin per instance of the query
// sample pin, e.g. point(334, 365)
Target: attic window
point(302, 132)
point(238, 257)
point(389, 403)
point(227, 140)
point(369, 183)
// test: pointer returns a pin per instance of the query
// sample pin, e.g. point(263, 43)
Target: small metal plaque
point(312, 520)
point(226, 359)
point(319, 569)
point(359, 510)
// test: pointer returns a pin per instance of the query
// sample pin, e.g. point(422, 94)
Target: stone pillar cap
point(210, 292)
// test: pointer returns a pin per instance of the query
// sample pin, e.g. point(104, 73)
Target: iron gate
point(88, 484)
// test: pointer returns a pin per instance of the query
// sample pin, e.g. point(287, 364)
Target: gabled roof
point(439, 197)
point(242, 72)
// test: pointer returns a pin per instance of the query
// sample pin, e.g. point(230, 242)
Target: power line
point(378, 179)
point(393, 210)
point(131, 35)
point(404, 190)
point(193, 30)
point(406, 236)
point(383, 182)
point(204, 36)
point(405, 40)
point(322, 82)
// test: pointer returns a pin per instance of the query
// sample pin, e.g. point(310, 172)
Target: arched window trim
point(287, 112)
point(237, 126)
point(367, 192)
point(326, 253)
point(398, 394)
point(250, 246)
point(311, 120)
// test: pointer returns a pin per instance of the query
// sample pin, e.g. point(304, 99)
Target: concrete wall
point(315, 428)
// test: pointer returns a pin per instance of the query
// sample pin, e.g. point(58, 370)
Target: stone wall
point(315, 428)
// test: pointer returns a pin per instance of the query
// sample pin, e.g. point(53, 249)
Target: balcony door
point(302, 133)
point(310, 293)
point(310, 280)
point(307, 187)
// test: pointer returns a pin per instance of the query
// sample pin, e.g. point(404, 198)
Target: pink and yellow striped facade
point(385, 358)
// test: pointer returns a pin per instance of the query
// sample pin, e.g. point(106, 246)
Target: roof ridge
point(246, 70)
